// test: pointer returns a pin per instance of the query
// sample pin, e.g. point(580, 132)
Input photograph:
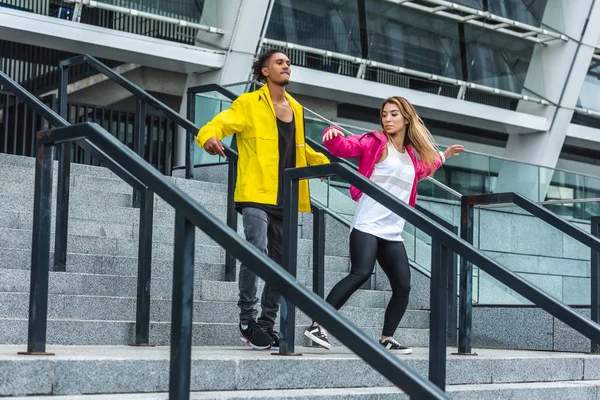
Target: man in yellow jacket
point(269, 128)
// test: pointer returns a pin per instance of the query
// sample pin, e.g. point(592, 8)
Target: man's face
point(278, 69)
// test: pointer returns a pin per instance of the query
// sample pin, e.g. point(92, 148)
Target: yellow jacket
point(252, 118)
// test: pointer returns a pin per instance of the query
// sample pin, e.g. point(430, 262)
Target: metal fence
point(19, 124)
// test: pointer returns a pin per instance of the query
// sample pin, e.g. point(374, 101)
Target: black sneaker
point(391, 344)
point(267, 326)
point(255, 337)
point(275, 337)
point(318, 335)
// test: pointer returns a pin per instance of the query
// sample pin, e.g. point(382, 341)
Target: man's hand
point(214, 146)
point(333, 132)
point(453, 150)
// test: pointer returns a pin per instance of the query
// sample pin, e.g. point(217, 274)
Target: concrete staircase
point(93, 302)
point(92, 315)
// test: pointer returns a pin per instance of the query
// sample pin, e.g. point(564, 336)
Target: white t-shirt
point(396, 174)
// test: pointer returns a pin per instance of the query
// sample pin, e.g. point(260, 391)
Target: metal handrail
point(468, 204)
point(442, 241)
point(190, 215)
point(544, 203)
point(139, 93)
point(142, 325)
point(143, 98)
point(232, 96)
point(142, 14)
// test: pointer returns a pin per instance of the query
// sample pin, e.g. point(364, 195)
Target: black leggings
point(364, 250)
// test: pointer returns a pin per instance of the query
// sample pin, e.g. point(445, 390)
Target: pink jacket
point(368, 148)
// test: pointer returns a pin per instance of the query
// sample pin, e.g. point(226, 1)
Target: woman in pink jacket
point(388, 159)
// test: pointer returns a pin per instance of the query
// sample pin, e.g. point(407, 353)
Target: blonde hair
point(417, 135)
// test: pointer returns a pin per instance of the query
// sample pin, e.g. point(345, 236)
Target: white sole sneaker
point(320, 342)
point(403, 352)
point(255, 347)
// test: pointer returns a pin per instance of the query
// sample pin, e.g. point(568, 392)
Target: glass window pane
point(324, 24)
point(497, 60)
point(588, 97)
point(413, 39)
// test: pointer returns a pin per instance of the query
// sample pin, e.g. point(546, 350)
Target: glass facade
point(588, 97)
point(401, 36)
point(526, 11)
point(324, 24)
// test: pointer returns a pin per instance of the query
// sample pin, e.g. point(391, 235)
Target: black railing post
point(318, 251)
point(465, 319)
point(452, 271)
point(190, 136)
point(40, 251)
point(139, 126)
point(63, 182)
point(287, 323)
point(183, 298)
point(437, 326)
point(232, 217)
point(595, 298)
point(142, 322)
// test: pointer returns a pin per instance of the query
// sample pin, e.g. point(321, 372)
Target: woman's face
point(392, 119)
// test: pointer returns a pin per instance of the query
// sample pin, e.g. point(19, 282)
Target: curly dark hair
point(260, 62)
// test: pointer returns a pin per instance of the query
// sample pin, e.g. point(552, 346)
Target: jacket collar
point(264, 93)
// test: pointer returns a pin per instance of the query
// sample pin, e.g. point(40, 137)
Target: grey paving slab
point(524, 328)
point(26, 377)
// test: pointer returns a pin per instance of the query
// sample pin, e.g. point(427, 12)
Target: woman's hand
point(331, 133)
point(453, 150)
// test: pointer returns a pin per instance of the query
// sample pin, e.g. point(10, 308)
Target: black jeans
point(364, 250)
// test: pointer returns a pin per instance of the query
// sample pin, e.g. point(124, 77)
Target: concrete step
point(123, 370)
point(567, 390)
point(9, 161)
point(99, 237)
point(16, 305)
point(17, 280)
point(121, 333)
point(72, 283)
point(161, 268)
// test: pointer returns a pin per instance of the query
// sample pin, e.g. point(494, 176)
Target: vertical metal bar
point(149, 134)
point(40, 251)
point(64, 182)
point(290, 254)
point(138, 140)
point(191, 136)
point(437, 325)
point(23, 134)
point(6, 122)
point(319, 251)
point(15, 127)
point(452, 271)
point(232, 217)
point(142, 324)
point(160, 138)
point(465, 319)
point(183, 297)
point(595, 300)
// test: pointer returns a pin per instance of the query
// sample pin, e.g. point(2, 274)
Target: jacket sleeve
point(315, 158)
point(346, 147)
point(226, 123)
point(424, 170)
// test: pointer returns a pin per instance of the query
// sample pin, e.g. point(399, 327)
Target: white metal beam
point(483, 19)
point(142, 14)
point(55, 33)
point(402, 70)
point(331, 86)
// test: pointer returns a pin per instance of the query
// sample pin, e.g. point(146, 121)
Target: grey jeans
point(266, 234)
